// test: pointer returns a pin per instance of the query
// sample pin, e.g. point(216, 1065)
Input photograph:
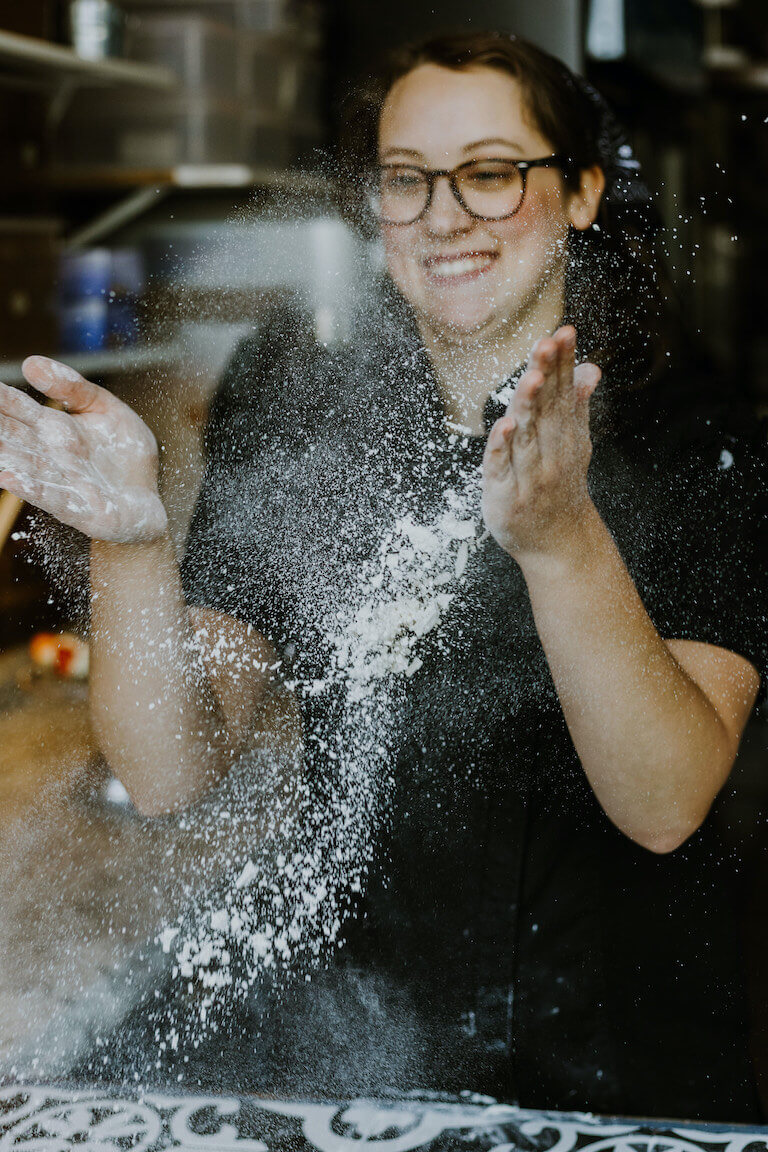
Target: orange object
point(62, 653)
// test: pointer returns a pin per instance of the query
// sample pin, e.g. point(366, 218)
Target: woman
point(546, 917)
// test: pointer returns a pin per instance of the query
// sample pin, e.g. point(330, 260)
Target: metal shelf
point(192, 176)
point(27, 62)
point(142, 189)
point(132, 359)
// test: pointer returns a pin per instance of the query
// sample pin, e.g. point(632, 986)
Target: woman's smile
point(458, 267)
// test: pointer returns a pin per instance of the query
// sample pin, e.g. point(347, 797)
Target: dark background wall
point(369, 28)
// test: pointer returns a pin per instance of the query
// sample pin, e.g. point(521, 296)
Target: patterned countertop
point(55, 1119)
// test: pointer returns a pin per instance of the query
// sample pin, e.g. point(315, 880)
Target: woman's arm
point(175, 692)
point(656, 723)
point(162, 724)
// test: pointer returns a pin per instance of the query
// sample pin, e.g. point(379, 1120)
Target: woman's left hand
point(535, 495)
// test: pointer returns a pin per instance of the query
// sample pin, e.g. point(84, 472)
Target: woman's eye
point(492, 176)
point(402, 182)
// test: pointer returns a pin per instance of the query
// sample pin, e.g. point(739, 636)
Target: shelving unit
point(144, 188)
point(55, 73)
point(29, 63)
point(95, 202)
point(193, 176)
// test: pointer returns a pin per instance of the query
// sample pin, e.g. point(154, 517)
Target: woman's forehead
point(439, 112)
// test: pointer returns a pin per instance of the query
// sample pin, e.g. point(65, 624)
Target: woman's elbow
point(662, 841)
point(150, 809)
point(153, 803)
point(661, 844)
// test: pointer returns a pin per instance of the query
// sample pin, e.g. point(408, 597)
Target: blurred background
point(163, 188)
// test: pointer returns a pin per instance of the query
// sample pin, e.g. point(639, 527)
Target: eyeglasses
point(486, 189)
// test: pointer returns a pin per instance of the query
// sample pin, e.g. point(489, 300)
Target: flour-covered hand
point(535, 492)
point(92, 465)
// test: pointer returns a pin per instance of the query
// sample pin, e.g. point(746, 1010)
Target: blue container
point(84, 326)
point(128, 276)
point(98, 295)
point(85, 274)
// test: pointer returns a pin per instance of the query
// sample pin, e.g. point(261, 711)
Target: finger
point(25, 421)
point(21, 474)
point(19, 481)
point(32, 453)
point(565, 340)
point(586, 378)
point(523, 405)
point(526, 449)
point(497, 460)
point(17, 441)
point(16, 404)
point(17, 484)
point(558, 414)
point(543, 359)
point(60, 500)
point(63, 383)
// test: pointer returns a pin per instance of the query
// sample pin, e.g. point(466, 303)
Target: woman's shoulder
point(271, 382)
point(684, 496)
point(284, 381)
point(683, 420)
point(693, 469)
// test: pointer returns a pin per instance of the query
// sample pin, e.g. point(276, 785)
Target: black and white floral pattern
point(55, 1119)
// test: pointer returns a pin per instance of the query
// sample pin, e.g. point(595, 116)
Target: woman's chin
point(459, 324)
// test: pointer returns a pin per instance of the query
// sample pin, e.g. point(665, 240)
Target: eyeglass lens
point(489, 188)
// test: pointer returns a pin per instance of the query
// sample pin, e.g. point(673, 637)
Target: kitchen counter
point(54, 1119)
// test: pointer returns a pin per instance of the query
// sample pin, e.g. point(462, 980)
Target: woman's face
point(462, 275)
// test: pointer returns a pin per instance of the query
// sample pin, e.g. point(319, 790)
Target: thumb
point(60, 382)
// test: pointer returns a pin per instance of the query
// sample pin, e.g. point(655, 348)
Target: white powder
point(286, 906)
point(404, 592)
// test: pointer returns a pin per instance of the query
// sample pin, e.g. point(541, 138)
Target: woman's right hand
point(92, 466)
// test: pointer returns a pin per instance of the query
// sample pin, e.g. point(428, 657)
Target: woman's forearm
point(651, 743)
point(155, 715)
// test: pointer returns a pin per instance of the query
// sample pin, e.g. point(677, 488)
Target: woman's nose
point(445, 214)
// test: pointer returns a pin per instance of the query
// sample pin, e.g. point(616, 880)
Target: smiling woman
point(547, 917)
point(531, 719)
point(536, 111)
point(475, 276)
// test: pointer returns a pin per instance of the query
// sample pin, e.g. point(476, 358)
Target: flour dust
point(279, 911)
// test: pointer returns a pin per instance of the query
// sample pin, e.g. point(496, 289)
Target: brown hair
point(555, 103)
point(615, 286)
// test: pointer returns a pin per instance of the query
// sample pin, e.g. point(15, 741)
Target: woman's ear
point(584, 203)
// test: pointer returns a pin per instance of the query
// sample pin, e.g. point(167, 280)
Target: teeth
point(461, 266)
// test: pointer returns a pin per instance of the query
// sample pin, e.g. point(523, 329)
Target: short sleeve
point(690, 520)
point(225, 562)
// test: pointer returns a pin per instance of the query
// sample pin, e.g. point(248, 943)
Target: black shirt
point(510, 939)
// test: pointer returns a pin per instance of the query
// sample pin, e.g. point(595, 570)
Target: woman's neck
point(469, 367)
